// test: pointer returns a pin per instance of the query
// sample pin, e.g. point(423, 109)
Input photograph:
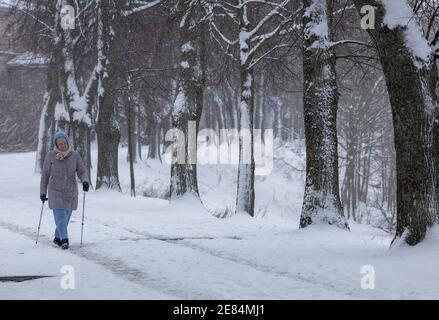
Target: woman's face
point(62, 144)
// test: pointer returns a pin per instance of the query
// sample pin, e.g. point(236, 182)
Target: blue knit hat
point(61, 134)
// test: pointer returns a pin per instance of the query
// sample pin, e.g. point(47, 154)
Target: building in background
point(22, 85)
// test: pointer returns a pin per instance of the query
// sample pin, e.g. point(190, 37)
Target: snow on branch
point(337, 43)
point(25, 8)
point(398, 13)
point(143, 5)
point(251, 38)
point(351, 7)
point(256, 61)
point(225, 39)
point(267, 18)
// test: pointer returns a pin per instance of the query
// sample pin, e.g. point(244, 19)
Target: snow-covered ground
point(144, 248)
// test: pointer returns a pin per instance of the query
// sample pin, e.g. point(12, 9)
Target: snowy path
point(24, 258)
point(207, 266)
point(144, 248)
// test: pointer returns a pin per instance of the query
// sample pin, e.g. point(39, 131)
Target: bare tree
point(258, 23)
point(188, 104)
point(107, 129)
point(321, 203)
point(411, 78)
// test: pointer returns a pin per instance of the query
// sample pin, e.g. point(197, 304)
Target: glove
point(43, 198)
point(85, 186)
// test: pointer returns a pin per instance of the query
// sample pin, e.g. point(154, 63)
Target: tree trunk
point(131, 144)
point(139, 133)
point(186, 112)
point(154, 140)
point(132, 135)
point(76, 104)
point(321, 202)
point(107, 128)
point(246, 169)
point(52, 98)
point(47, 120)
point(411, 81)
point(82, 123)
point(72, 112)
point(245, 200)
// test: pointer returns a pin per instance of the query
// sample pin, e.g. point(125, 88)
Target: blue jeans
point(62, 218)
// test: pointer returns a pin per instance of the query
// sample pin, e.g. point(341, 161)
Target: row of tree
point(107, 59)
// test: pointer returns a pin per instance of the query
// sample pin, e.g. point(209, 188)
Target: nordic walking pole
point(39, 223)
point(82, 225)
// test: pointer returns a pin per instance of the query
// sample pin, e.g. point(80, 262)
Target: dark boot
point(64, 244)
point(57, 241)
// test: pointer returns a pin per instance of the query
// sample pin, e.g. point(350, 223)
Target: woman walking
point(59, 170)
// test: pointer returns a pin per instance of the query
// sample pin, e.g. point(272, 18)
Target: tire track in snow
point(117, 267)
point(231, 258)
point(123, 270)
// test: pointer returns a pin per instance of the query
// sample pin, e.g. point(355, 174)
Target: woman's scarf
point(60, 155)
